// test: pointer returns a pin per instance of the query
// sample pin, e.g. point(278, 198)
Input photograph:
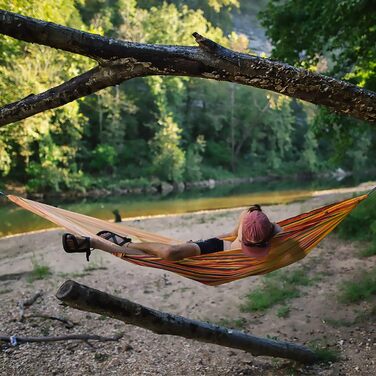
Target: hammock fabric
point(299, 236)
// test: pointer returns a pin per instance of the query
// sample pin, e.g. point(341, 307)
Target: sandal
point(73, 245)
point(114, 238)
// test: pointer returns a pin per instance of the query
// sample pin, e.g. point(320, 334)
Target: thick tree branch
point(88, 299)
point(87, 83)
point(209, 60)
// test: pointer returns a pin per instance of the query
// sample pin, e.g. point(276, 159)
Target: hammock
point(299, 236)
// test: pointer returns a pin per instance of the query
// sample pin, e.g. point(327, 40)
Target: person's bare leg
point(108, 246)
point(165, 251)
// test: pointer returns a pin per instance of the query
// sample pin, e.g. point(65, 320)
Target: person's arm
point(234, 232)
point(278, 229)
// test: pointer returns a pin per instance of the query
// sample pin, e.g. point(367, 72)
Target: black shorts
point(210, 245)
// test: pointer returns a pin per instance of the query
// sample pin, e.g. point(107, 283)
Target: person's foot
point(76, 244)
point(114, 238)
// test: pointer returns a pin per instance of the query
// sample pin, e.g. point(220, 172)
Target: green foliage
point(233, 323)
point(326, 354)
point(103, 158)
point(51, 178)
point(169, 158)
point(283, 311)
point(361, 288)
point(49, 138)
point(361, 225)
point(335, 38)
point(370, 251)
point(93, 266)
point(193, 160)
point(277, 288)
point(361, 318)
point(153, 129)
point(340, 31)
point(210, 172)
point(218, 153)
point(40, 271)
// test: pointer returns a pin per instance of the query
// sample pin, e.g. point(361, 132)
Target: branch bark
point(17, 340)
point(210, 60)
point(27, 303)
point(67, 323)
point(88, 299)
point(98, 78)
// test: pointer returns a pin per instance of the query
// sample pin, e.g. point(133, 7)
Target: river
point(14, 220)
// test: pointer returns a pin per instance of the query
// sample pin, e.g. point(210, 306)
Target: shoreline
point(362, 188)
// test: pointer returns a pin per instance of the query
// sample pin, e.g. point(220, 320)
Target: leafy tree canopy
point(335, 38)
point(343, 33)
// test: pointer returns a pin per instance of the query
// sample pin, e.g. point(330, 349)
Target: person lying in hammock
point(252, 234)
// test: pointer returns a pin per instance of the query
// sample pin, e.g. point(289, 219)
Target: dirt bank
point(140, 352)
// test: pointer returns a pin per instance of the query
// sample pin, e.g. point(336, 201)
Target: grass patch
point(74, 274)
point(366, 316)
point(361, 318)
point(326, 354)
point(360, 224)
point(362, 288)
point(283, 311)
point(277, 287)
point(234, 323)
point(40, 271)
point(95, 266)
point(337, 323)
point(368, 252)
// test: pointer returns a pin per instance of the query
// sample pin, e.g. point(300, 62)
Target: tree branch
point(67, 323)
point(16, 340)
point(88, 299)
point(28, 303)
point(210, 60)
point(110, 74)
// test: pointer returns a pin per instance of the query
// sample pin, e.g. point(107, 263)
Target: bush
point(193, 160)
point(361, 225)
point(361, 222)
point(370, 251)
point(104, 158)
point(51, 178)
point(169, 158)
point(216, 173)
point(218, 153)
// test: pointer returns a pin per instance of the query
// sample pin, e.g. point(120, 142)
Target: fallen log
point(88, 299)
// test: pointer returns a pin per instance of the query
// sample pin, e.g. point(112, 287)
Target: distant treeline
point(181, 129)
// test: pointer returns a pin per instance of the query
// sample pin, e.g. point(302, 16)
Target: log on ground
point(88, 299)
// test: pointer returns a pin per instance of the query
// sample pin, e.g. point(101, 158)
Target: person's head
point(257, 231)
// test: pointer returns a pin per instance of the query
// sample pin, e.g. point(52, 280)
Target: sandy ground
point(141, 352)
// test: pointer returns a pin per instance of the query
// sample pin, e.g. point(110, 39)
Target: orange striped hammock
point(299, 236)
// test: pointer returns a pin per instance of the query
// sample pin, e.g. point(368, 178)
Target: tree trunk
point(88, 299)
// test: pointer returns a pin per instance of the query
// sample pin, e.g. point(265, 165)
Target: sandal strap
point(77, 247)
point(113, 237)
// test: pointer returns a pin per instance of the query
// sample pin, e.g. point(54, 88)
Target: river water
point(14, 220)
